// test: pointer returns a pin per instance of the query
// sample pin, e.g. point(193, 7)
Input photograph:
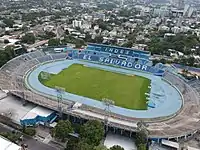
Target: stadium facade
point(118, 56)
point(181, 124)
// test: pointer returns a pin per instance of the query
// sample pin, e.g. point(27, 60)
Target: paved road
point(37, 145)
point(32, 143)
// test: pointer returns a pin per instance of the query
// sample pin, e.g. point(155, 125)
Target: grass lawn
point(126, 91)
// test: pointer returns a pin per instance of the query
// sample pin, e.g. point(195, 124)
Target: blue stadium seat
point(151, 104)
point(102, 57)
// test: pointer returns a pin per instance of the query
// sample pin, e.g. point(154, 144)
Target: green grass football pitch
point(126, 91)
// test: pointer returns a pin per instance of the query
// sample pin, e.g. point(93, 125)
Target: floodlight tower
point(108, 103)
point(60, 91)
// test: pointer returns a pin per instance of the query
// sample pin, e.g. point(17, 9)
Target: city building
point(77, 23)
point(5, 144)
point(178, 3)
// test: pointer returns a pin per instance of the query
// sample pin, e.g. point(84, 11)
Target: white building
point(162, 11)
point(86, 25)
point(188, 11)
point(145, 10)
point(96, 27)
point(169, 35)
point(113, 33)
point(7, 145)
point(48, 28)
point(178, 3)
point(155, 21)
point(185, 29)
point(87, 17)
point(176, 30)
point(76, 23)
point(163, 28)
point(99, 15)
point(197, 31)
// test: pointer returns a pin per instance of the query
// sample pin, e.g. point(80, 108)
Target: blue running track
point(163, 96)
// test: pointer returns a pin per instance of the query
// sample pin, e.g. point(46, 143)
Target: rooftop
point(7, 145)
point(103, 45)
point(37, 111)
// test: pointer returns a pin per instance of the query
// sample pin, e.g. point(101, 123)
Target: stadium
point(75, 82)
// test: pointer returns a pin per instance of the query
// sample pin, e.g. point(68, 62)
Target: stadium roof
point(136, 50)
point(114, 139)
point(176, 145)
point(11, 104)
point(170, 144)
point(7, 145)
point(192, 148)
point(37, 111)
point(187, 67)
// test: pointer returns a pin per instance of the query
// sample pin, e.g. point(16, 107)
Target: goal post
point(45, 75)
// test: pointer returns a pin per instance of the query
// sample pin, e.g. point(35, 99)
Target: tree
point(3, 58)
point(8, 22)
point(155, 61)
point(103, 25)
point(98, 39)
point(92, 132)
point(13, 137)
point(62, 129)
point(6, 55)
point(49, 35)
point(30, 131)
point(7, 32)
point(113, 41)
point(28, 38)
point(67, 32)
point(141, 140)
point(191, 61)
point(163, 61)
point(24, 28)
point(100, 147)
point(128, 44)
point(53, 42)
point(125, 13)
point(66, 40)
point(9, 50)
point(116, 147)
point(6, 41)
point(141, 147)
point(181, 42)
point(78, 45)
point(141, 136)
point(82, 145)
point(88, 37)
point(72, 144)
